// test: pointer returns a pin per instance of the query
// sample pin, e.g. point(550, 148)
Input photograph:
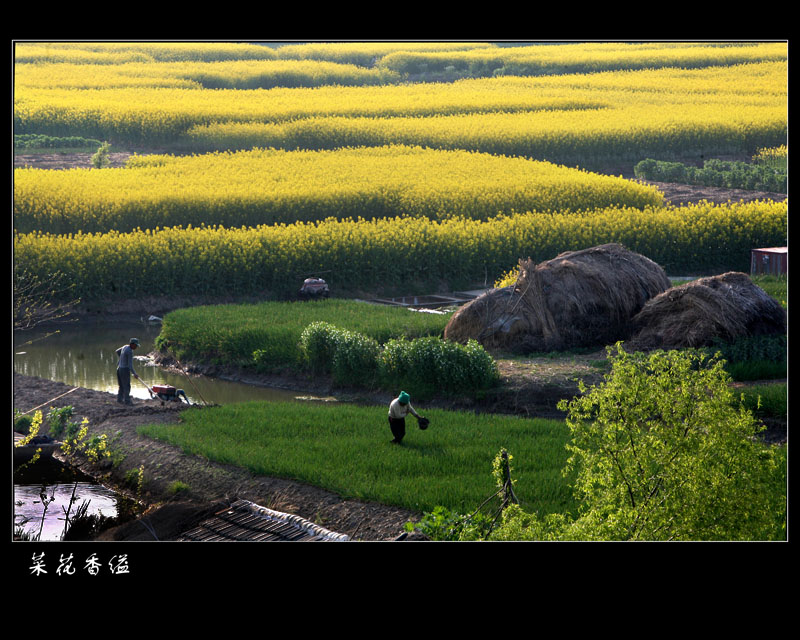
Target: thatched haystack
point(725, 307)
point(577, 299)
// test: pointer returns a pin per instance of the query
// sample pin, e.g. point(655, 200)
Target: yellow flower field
point(267, 186)
point(393, 253)
point(333, 156)
point(732, 108)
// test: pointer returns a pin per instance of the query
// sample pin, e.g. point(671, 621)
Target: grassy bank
point(230, 334)
point(346, 449)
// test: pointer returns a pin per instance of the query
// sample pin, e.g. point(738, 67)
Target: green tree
point(662, 450)
point(100, 159)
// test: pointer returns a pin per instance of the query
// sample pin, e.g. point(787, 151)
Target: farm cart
point(168, 393)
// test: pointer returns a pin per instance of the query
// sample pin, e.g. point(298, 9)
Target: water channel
point(82, 354)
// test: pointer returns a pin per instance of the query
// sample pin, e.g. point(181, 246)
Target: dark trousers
point(398, 427)
point(124, 380)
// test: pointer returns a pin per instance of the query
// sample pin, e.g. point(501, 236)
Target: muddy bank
point(529, 386)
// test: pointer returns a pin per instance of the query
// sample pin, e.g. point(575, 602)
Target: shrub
point(662, 452)
point(318, 345)
point(100, 158)
point(426, 365)
point(22, 424)
point(422, 365)
point(355, 358)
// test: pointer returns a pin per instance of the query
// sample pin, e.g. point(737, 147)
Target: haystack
point(577, 299)
point(725, 307)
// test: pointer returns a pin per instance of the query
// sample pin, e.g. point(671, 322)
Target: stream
point(83, 354)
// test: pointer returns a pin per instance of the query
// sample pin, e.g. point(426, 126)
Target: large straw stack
point(577, 299)
point(725, 307)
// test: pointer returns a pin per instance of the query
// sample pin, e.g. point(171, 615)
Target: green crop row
point(345, 448)
point(39, 141)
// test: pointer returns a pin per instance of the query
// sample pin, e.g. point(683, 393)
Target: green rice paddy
point(346, 449)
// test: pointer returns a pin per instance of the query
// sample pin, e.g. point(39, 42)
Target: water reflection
point(83, 354)
point(46, 479)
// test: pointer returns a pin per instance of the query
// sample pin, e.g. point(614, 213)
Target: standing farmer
point(124, 371)
point(399, 408)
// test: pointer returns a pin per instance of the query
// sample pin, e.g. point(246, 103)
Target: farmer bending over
point(124, 371)
point(398, 410)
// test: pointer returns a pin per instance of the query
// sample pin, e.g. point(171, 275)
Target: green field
point(346, 449)
point(230, 334)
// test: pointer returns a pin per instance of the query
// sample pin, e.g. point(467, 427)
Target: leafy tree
point(661, 451)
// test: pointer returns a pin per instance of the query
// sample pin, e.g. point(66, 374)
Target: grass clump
point(766, 400)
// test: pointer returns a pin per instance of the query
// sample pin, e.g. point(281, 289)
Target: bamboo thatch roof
point(245, 521)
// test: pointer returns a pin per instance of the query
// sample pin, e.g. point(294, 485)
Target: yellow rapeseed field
point(322, 156)
point(267, 186)
point(585, 57)
point(716, 109)
point(392, 252)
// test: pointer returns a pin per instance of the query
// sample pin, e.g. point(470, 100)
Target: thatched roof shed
point(725, 307)
point(577, 299)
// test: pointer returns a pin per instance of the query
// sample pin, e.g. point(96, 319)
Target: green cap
point(134, 341)
point(403, 398)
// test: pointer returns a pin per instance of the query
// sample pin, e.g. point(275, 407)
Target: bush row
point(754, 357)
point(423, 365)
point(715, 173)
point(40, 141)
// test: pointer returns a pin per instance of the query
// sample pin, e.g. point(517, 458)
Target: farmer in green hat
point(399, 408)
point(125, 370)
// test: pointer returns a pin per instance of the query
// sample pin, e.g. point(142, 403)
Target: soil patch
point(678, 194)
